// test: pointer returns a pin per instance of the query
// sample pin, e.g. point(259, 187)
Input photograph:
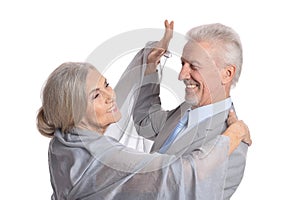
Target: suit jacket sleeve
point(148, 115)
point(236, 162)
point(235, 171)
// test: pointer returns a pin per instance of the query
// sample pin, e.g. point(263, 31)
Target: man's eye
point(194, 67)
point(106, 84)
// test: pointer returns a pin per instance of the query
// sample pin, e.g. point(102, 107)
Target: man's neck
point(208, 103)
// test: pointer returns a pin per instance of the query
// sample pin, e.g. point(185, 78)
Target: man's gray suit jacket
point(156, 124)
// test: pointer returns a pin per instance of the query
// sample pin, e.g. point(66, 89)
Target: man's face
point(201, 75)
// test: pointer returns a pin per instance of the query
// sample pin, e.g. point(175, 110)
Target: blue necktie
point(181, 124)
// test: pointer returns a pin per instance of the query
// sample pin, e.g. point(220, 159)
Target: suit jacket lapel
point(173, 118)
point(197, 136)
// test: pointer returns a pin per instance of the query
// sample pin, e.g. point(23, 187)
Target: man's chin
point(192, 101)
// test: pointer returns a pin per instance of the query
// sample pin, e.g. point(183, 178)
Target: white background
point(37, 36)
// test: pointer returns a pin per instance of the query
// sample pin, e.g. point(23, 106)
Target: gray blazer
point(156, 124)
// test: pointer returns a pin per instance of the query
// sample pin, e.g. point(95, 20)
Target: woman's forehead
point(94, 77)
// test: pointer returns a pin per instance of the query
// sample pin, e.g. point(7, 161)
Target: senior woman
point(78, 105)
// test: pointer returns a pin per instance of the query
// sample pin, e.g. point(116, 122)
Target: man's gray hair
point(224, 41)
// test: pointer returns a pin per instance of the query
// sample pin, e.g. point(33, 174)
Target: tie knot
point(180, 125)
point(182, 122)
point(184, 119)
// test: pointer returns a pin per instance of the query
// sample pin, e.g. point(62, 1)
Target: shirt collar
point(201, 113)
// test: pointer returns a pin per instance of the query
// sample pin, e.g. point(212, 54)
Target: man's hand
point(160, 48)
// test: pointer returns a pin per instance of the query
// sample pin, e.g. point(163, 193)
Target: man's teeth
point(191, 86)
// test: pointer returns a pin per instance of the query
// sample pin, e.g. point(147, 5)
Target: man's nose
point(185, 72)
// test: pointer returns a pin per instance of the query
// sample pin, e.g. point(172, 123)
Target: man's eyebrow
point(183, 60)
point(193, 62)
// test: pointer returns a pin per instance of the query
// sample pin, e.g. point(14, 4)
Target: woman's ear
point(228, 74)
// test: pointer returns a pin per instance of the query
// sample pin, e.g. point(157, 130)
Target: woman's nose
point(185, 72)
point(110, 95)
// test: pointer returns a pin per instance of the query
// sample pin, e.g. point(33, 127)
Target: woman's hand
point(164, 42)
point(238, 132)
point(160, 48)
point(231, 117)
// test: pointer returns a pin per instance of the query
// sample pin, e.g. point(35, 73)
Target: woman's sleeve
point(123, 173)
point(127, 91)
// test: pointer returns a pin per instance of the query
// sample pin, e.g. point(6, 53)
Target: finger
point(247, 129)
point(155, 55)
point(166, 23)
point(172, 25)
point(158, 52)
point(231, 117)
point(248, 142)
point(169, 25)
point(232, 114)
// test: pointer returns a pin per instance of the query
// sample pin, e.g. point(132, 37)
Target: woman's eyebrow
point(98, 89)
point(94, 90)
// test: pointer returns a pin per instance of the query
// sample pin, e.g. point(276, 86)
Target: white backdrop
point(37, 36)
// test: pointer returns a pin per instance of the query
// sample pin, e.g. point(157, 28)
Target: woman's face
point(102, 109)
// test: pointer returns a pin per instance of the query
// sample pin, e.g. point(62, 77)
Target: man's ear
point(228, 74)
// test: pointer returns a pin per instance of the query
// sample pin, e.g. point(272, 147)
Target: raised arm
point(148, 115)
point(160, 48)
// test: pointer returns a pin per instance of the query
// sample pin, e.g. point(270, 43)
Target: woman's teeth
point(113, 108)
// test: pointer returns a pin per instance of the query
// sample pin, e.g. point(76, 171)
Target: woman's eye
point(96, 96)
point(106, 84)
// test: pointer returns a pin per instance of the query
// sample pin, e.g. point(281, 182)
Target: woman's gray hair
point(225, 42)
point(64, 99)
